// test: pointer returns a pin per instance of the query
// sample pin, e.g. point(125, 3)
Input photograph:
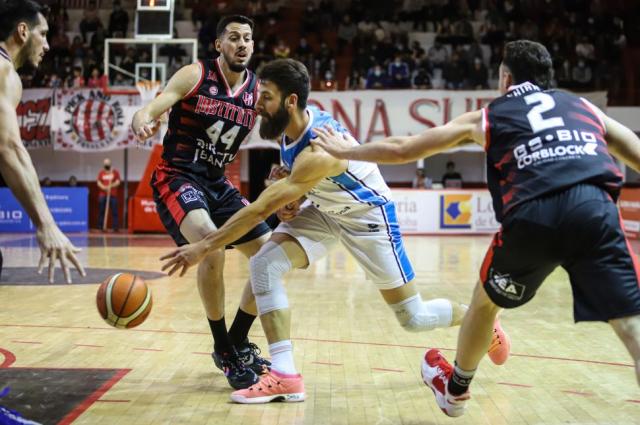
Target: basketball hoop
point(148, 90)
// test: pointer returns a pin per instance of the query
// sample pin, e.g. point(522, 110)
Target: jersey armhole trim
point(593, 109)
point(486, 128)
point(195, 88)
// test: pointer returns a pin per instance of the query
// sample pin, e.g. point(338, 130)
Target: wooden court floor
point(359, 366)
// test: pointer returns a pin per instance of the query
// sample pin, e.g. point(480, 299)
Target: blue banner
point(69, 206)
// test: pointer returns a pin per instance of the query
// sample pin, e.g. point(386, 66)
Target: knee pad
point(414, 315)
point(267, 268)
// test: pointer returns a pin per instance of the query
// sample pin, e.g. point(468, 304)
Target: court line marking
point(92, 398)
point(374, 344)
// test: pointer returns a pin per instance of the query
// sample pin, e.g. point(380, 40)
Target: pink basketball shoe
point(272, 386)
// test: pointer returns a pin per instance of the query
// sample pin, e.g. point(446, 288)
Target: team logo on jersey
point(247, 97)
point(93, 122)
point(505, 286)
point(188, 193)
point(455, 211)
point(213, 90)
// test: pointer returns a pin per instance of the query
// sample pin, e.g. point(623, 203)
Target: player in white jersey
point(346, 202)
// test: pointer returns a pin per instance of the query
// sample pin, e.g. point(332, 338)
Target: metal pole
point(125, 209)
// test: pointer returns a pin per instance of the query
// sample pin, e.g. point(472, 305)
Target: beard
point(273, 126)
point(235, 67)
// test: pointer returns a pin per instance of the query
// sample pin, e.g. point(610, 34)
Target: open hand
point(183, 258)
point(54, 246)
point(334, 143)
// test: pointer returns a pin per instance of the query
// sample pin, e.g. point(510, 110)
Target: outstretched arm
point(623, 143)
point(21, 177)
point(310, 167)
point(402, 149)
point(145, 121)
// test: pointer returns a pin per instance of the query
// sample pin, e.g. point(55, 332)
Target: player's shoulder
point(10, 84)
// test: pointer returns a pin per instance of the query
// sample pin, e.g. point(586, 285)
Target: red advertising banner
point(629, 204)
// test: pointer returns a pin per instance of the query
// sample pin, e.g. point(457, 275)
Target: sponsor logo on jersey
point(211, 76)
point(247, 97)
point(188, 193)
point(455, 211)
point(504, 285)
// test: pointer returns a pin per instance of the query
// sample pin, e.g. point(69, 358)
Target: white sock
point(282, 357)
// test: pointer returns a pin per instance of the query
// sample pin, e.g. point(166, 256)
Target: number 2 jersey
point(538, 142)
point(207, 127)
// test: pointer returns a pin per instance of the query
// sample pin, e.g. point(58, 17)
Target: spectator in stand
point(421, 79)
point(55, 82)
point(108, 182)
point(478, 76)
point(438, 55)
point(451, 179)
point(365, 29)
point(328, 83)
point(454, 72)
point(46, 182)
point(97, 40)
point(73, 181)
point(304, 53)
point(582, 75)
point(356, 80)
point(281, 50)
point(377, 78)
point(421, 181)
point(77, 48)
point(76, 81)
point(97, 80)
point(90, 20)
point(325, 61)
point(118, 20)
point(585, 49)
point(398, 72)
point(347, 31)
point(261, 55)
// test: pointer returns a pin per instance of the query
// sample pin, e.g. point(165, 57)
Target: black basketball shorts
point(177, 192)
point(579, 229)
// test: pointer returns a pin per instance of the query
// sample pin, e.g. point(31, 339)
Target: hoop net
point(148, 90)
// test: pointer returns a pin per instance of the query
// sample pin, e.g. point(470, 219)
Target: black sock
point(221, 342)
point(239, 329)
point(460, 381)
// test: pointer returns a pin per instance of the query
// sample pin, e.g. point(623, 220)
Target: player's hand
point(279, 172)
point(143, 127)
point(289, 211)
point(335, 144)
point(54, 246)
point(183, 258)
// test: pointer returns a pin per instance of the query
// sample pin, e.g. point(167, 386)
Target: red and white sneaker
point(272, 386)
point(436, 372)
point(500, 347)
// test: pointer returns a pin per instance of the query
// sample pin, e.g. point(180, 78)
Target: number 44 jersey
point(207, 127)
point(538, 142)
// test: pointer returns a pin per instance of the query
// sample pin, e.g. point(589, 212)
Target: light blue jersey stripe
point(359, 190)
point(393, 230)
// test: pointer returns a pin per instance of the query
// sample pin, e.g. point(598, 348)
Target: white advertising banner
point(90, 121)
point(445, 211)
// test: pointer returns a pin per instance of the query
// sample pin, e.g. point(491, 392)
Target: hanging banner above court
point(90, 121)
point(33, 118)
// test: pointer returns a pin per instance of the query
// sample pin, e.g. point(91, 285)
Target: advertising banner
point(445, 211)
point(34, 119)
point(629, 204)
point(69, 206)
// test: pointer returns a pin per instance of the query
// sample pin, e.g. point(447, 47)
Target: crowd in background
point(359, 44)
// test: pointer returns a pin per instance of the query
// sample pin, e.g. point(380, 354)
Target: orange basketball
point(124, 300)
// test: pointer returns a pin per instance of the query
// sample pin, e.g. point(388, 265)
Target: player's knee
point(415, 315)
point(267, 268)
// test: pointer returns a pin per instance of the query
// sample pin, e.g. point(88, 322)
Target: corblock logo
point(93, 122)
point(455, 211)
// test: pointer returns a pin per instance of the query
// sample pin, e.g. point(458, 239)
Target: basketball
point(124, 300)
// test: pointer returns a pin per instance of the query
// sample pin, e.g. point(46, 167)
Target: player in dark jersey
point(23, 40)
point(212, 112)
point(554, 186)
